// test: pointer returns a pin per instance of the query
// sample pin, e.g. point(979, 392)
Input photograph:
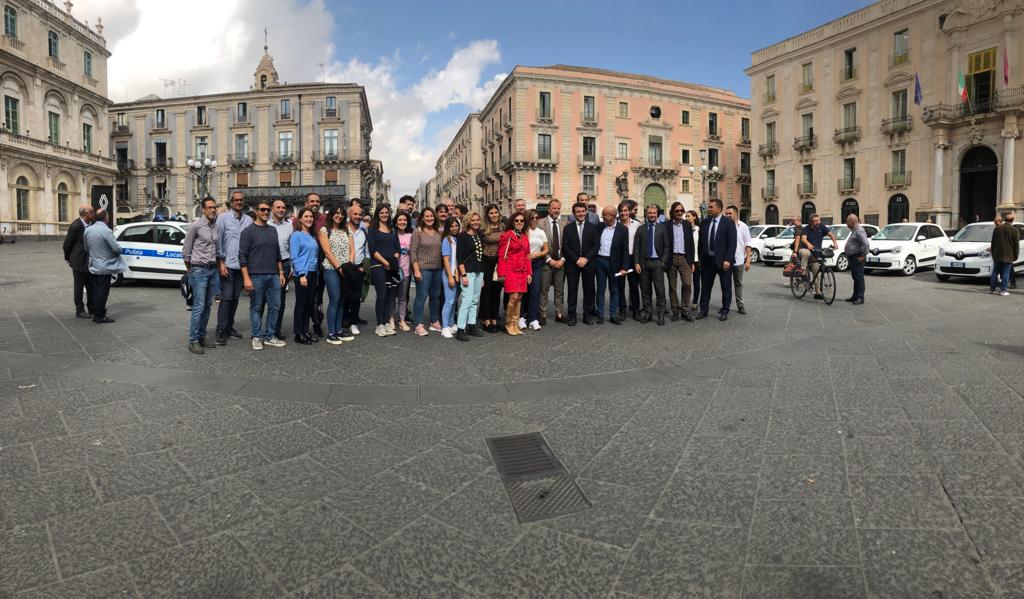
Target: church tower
point(266, 74)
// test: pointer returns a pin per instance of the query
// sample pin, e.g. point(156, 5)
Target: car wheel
point(842, 263)
point(910, 266)
point(941, 277)
point(117, 280)
point(755, 256)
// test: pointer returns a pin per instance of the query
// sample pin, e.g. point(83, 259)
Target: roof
point(647, 78)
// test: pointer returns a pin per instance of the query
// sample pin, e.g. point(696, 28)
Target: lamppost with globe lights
point(202, 168)
point(706, 174)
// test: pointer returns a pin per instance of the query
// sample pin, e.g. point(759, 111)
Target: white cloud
point(216, 46)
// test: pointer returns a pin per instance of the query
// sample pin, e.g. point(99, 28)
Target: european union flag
point(918, 95)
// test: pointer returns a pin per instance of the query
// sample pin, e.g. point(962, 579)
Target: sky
point(427, 65)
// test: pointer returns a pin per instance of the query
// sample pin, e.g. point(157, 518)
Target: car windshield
point(755, 231)
point(787, 234)
point(896, 233)
point(841, 233)
point(975, 233)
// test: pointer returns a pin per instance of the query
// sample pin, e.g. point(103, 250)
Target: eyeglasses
point(263, 209)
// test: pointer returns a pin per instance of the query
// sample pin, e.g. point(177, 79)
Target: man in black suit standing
point(680, 262)
point(717, 251)
point(78, 259)
point(613, 261)
point(652, 255)
point(580, 239)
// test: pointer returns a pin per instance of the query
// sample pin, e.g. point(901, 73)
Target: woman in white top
point(691, 215)
point(538, 255)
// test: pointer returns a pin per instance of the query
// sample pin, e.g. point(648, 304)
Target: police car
point(152, 250)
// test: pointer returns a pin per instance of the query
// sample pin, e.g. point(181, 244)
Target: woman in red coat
point(514, 267)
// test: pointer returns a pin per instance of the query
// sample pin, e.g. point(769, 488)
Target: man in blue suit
point(612, 261)
point(716, 249)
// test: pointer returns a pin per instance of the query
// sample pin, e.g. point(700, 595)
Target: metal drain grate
point(537, 484)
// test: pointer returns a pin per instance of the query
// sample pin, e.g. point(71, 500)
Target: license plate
point(874, 259)
point(959, 265)
point(770, 255)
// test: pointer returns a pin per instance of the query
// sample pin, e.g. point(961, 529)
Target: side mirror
point(921, 238)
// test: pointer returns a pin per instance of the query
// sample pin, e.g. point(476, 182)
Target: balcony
point(543, 190)
point(714, 135)
point(897, 124)
point(848, 185)
point(329, 113)
point(713, 176)
point(159, 164)
point(769, 193)
point(805, 143)
point(326, 157)
point(768, 150)
point(744, 174)
point(13, 43)
point(769, 98)
point(848, 73)
point(283, 158)
point(505, 160)
point(119, 130)
point(589, 119)
point(87, 80)
point(1004, 100)
point(545, 117)
point(846, 135)
point(507, 125)
point(242, 159)
point(41, 146)
point(744, 141)
point(126, 166)
point(897, 180)
point(55, 63)
point(480, 179)
point(589, 162)
point(656, 167)
point(806, 88)
point(284, 116)
point(243, 119)
point(804, 190)
point(899, 58)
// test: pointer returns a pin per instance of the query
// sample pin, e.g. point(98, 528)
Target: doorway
point(654, 195)
point(899, 209)
point(978, 184)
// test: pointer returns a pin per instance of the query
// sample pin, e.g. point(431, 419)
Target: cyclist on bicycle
point(811, 239)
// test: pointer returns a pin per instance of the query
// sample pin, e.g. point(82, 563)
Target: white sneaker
point(354, 329)
point(381, 331)
point(435, 329)
point(446, 332)
point(522, 323)
point(390, 329)
point(1004, 293)
point(275, 342)
point(535, 325)
point(257, 343)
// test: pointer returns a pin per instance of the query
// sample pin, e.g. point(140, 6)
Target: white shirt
point(284, 233)
point(742, 242)
point(359, 239)
point(678, 241)
point(631, 227)
point(606, 241)
point(537, 240)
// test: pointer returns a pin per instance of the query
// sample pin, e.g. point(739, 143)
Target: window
point(808, 177)
point(684, 186)
point(623, 110)
point(284, 178)
point(849, 64)
point(745, 195)
point(712, 157)
point(622, 150)
point(143, 234)
point(54, 128)
point(769, 133)
point(242, 145)
point(769, 86)
point(10, 22)
point(11, 114)
point(589, 149)
point(589, 111)
point(544, 184)
point(544, 146)
point(161, 153)
point(806, 211)
point(22, 193)
point(331, 177)
point(771, 215)
point(899, 163)
point(807, 77)
point(901, 46)
point(331, 106)
point(685, 119)
point(53, 45)
point(980, 79)
point(241, 179)
point(850, 115)
point(200, 115)
point(899, 104)
point(712, 124)
point(161, 190)
point(242, 111)
point(202, 146)
point(86, 138)
point(712, 189)
point(849, 173)
point(122, 119)
point(770, 182)
point(685, 156)
point(850, 206)
point(655, 112)
point(744, 163)
point(545, 105)
point(331, 142)
point(62, 202)
point(654, 152)
point(87, 64)
point(588, 184)
point(286, 109)
point(745, 129)
point(807, 124)
point(284, 144)
point(161, 118)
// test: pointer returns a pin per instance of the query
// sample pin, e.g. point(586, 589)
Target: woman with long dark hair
point(471, 273)
point(490, 234)
point(303, 249)
point(382, 241)
point(694, 219)
point(425, 252)
point(514, 267)
point(403, 228)
point(450, 280)
point(336, 244)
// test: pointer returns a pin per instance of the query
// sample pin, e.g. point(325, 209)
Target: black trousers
point(286, 265)
point(81, 287)
point(634, 292)
point(303, 303)
point(857, 274)
point(99, 292)
point(491, 293)
point(697, 276)
point(588, 274)
point(653, 275)
point(351, 294)
point(708, 271)
point(230, 291)
point(385, 303)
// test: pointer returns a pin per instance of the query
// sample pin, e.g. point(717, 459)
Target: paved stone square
point(802, 450)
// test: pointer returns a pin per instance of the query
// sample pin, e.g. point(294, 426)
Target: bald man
point(857, 247)
point(78, 259)
point(612, 263)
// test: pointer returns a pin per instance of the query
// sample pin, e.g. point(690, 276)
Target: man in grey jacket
point(104, 262)
point(857, 247)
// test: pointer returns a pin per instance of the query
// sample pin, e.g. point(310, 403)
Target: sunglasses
point(263, 209)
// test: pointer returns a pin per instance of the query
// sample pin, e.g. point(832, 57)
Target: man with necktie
point(651, 256)
point(553, 274)
point(717, 251)
point(580, 239)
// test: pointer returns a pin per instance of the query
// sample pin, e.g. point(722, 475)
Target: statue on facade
point(622, 185)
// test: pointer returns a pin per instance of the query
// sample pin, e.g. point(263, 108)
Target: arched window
point(806, 211)
point(850, 206)
point(263, 82)
point(22, 198)
point(62, 202)
point(771, 215)
point(899, 208)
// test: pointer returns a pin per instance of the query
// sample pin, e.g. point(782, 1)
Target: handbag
point(495, 277)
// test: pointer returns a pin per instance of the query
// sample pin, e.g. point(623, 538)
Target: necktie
point(579, 231)
point(650, 240)
point(554, 241)
point(714, 230)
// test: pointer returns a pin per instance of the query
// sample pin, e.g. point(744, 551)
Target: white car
point(759, 234)
point(778, 249)
point(905, 247)
point(839, 261)
point(152, 250)
point(968, 255)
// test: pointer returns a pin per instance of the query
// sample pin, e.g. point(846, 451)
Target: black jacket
point(74, 247)
point(662, 247)
point(691, 251)
point(725, 241)
point(573, 250)
point(618, 258)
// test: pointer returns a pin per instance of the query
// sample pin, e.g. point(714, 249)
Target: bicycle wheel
point(797, 286)
point(828, 286)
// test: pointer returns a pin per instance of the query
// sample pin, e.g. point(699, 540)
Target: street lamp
point(202, 168)
point(705, 174)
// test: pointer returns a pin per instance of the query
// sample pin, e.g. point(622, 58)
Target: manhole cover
point(537, 484)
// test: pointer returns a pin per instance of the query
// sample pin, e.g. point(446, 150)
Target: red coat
point(514, 261)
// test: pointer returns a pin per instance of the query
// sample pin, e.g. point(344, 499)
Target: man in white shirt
point(626, 210)
point(742, 255)
point(283, 225)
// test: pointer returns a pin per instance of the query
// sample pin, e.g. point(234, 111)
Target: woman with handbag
point(514, 266)
point(425, 252)
point(470, 256)
point(490, 234)
point(382, 241)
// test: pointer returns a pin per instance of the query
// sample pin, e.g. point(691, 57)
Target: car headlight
point(942, 251)
point(896, 250)
point(985, 253)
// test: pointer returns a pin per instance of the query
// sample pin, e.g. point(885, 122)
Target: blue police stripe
point(151, 253)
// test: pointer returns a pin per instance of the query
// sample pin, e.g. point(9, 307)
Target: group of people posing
point(463, 263)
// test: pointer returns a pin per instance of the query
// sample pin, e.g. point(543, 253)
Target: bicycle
point(825, 278)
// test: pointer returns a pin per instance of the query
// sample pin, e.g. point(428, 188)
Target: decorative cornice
point(898, 78)
point(847, 92)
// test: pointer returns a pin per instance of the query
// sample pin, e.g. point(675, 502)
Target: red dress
point(514, 261)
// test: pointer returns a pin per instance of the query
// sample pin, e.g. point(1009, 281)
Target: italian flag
point(961, 87)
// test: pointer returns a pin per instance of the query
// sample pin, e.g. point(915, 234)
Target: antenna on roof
point(323, 72)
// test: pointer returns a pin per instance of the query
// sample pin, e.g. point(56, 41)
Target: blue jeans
point(335, 300)
point(533, 291)
point(266, 289)
point(470, 299)
point(202, 280)
point(606, 278)
point(429, 285)
point(448, 310)
point(1000, 273)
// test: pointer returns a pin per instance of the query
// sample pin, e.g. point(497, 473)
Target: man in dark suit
point(717, 251)
point(613, 260)
point(78, 259)
point(580, 239)
point(679, 264)
point(652, 255)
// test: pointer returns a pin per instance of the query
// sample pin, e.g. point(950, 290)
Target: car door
point(137, 246)
point(1020, 256)
point(933, 239)
point(167, 261)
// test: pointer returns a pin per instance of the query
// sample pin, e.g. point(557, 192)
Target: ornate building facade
point(839, 126)
point(276, 140)
point(459, 165)
point(53, 130)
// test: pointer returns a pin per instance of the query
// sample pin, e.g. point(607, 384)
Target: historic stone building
point(53, 132)
point(460, 164)
point(551, 132)
point(838, 126)
point(275, 140)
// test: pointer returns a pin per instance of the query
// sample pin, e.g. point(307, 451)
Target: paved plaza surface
point(801, 450)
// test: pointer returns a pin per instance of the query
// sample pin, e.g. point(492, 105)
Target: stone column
point(1010, 135)
point(938, 174)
